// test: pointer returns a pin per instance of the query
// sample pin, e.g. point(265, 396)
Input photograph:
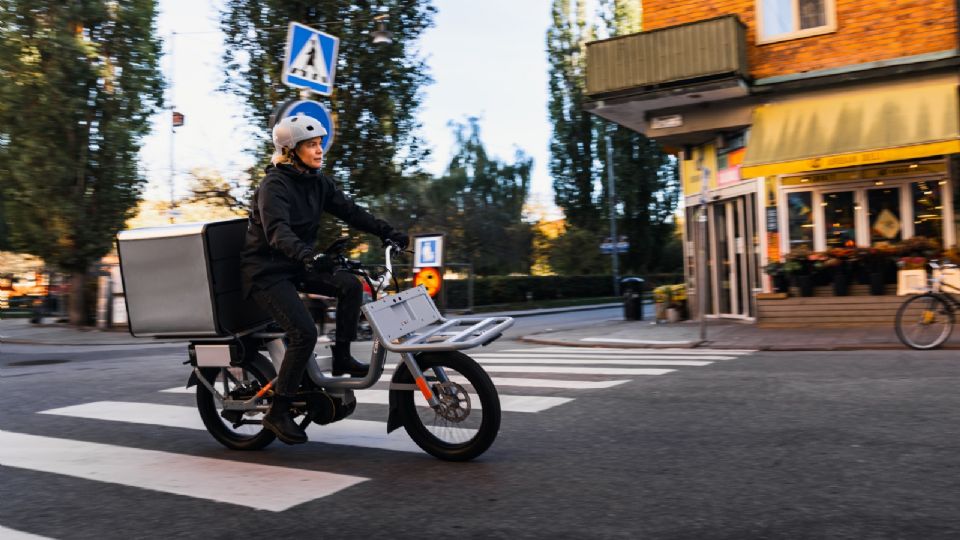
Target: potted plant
point(840, 265)
point(677, 309)
point(661, 299)
point(875, 264)
point(799, 267)
point(778, 276)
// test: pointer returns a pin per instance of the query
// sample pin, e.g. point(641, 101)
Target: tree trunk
point(77, 304)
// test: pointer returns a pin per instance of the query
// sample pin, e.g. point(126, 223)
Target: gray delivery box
point(184, 280)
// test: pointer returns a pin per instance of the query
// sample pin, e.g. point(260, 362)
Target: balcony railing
point(688, 53)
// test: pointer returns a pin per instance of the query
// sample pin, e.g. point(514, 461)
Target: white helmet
point(291, 130)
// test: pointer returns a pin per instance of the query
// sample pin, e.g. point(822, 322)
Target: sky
point(487, 59)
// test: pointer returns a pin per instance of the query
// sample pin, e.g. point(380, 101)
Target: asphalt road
point(727, 445)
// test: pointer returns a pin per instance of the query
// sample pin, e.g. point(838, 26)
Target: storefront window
point(927, 209)
point(838, 211)
point(800, 208)
point(884, 215)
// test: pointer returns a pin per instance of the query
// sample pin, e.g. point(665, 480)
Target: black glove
point(318, 262)
point(400, 239)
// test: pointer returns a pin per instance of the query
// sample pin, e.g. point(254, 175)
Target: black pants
point(282, 301)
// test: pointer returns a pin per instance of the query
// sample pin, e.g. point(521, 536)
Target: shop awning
point(854, 127)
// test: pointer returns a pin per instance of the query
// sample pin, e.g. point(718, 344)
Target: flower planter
point(911, 281)
point(781, 283)
point(878, 283)
point(805, 284)
point(841, 284)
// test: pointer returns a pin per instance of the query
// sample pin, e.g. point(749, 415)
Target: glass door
point(883, 215)
point(839, 219)
point(725, 261)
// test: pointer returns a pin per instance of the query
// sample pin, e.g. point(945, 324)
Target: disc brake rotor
point(454, 401)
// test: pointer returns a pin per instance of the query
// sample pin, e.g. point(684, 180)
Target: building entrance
point(732, 251)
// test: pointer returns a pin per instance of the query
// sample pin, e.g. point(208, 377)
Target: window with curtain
point(789, 19)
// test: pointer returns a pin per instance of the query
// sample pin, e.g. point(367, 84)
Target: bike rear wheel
point(924, 321)
point(237, 383)
point(468, 419)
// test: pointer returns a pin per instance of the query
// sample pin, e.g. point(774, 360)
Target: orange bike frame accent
point(264, 390)
point(424, 388)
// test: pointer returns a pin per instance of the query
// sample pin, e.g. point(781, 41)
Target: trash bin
point(632, 290)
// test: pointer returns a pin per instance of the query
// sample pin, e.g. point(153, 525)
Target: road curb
point(18, 341)
point(611, 344)
point(708, 344)
point(534, 312)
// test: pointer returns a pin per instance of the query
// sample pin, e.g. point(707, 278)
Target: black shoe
point(344, 364)
point(278, 421)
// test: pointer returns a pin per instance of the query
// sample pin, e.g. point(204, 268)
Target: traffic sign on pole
point(316, 110)
point(310, 60)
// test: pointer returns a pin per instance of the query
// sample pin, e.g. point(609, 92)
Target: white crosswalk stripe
point(12, 534)
point(517, 359)
point(508, 403)
point(569, 370)
point(179, 474)
point(348, 432)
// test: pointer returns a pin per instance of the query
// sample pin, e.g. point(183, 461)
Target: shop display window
point(883, 214)
point(800, 216)
point(840, 219)
point(927, 209)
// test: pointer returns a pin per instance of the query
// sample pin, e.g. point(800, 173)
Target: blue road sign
point(428, 251)
point(316, 110)
point(310, 60)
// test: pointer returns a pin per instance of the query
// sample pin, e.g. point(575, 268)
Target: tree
point(78, 83)
point(377, 86)
point(478, 204)
point(572, 150)
point(645, 180)
point(490, 195)
point(213, 189)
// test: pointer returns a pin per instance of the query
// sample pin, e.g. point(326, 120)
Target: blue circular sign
point(315, 110)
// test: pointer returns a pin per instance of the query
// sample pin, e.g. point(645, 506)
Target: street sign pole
point(613, 219)
point(702, 252)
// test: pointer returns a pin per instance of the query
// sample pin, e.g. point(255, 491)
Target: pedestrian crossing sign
point(310, 60)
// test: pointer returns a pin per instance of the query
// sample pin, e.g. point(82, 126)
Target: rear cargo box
point(184, 280)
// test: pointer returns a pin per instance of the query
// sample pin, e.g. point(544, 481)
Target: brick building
point(816, 123)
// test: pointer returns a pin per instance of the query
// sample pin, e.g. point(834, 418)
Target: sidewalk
point(23, 332)
point(727, 334)
point(724, 334)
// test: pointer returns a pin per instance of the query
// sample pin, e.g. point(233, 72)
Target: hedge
point(511, 289)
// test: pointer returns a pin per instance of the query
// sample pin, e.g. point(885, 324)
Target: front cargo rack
point(409, 322)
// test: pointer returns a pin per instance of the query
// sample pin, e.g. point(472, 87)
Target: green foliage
point(577, 252)
point(477, 204)
point(510, 289)
point(572, 146)
point(78, 82)
point(488, 197)
point(645, 180)
point(377, 87)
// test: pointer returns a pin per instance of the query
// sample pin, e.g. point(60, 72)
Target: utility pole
point(701, 249)
point(613, 217)
point(173, 127)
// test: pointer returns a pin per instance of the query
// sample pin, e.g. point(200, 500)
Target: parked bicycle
point(925, 321)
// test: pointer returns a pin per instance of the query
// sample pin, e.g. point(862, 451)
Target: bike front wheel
point(924, 321)
point(467, 420)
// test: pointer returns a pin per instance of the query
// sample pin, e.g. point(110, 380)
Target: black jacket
point(284, 219)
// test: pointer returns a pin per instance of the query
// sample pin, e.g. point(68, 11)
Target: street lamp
point(381, 36)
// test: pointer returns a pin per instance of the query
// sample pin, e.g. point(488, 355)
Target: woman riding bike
point(279, 259)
